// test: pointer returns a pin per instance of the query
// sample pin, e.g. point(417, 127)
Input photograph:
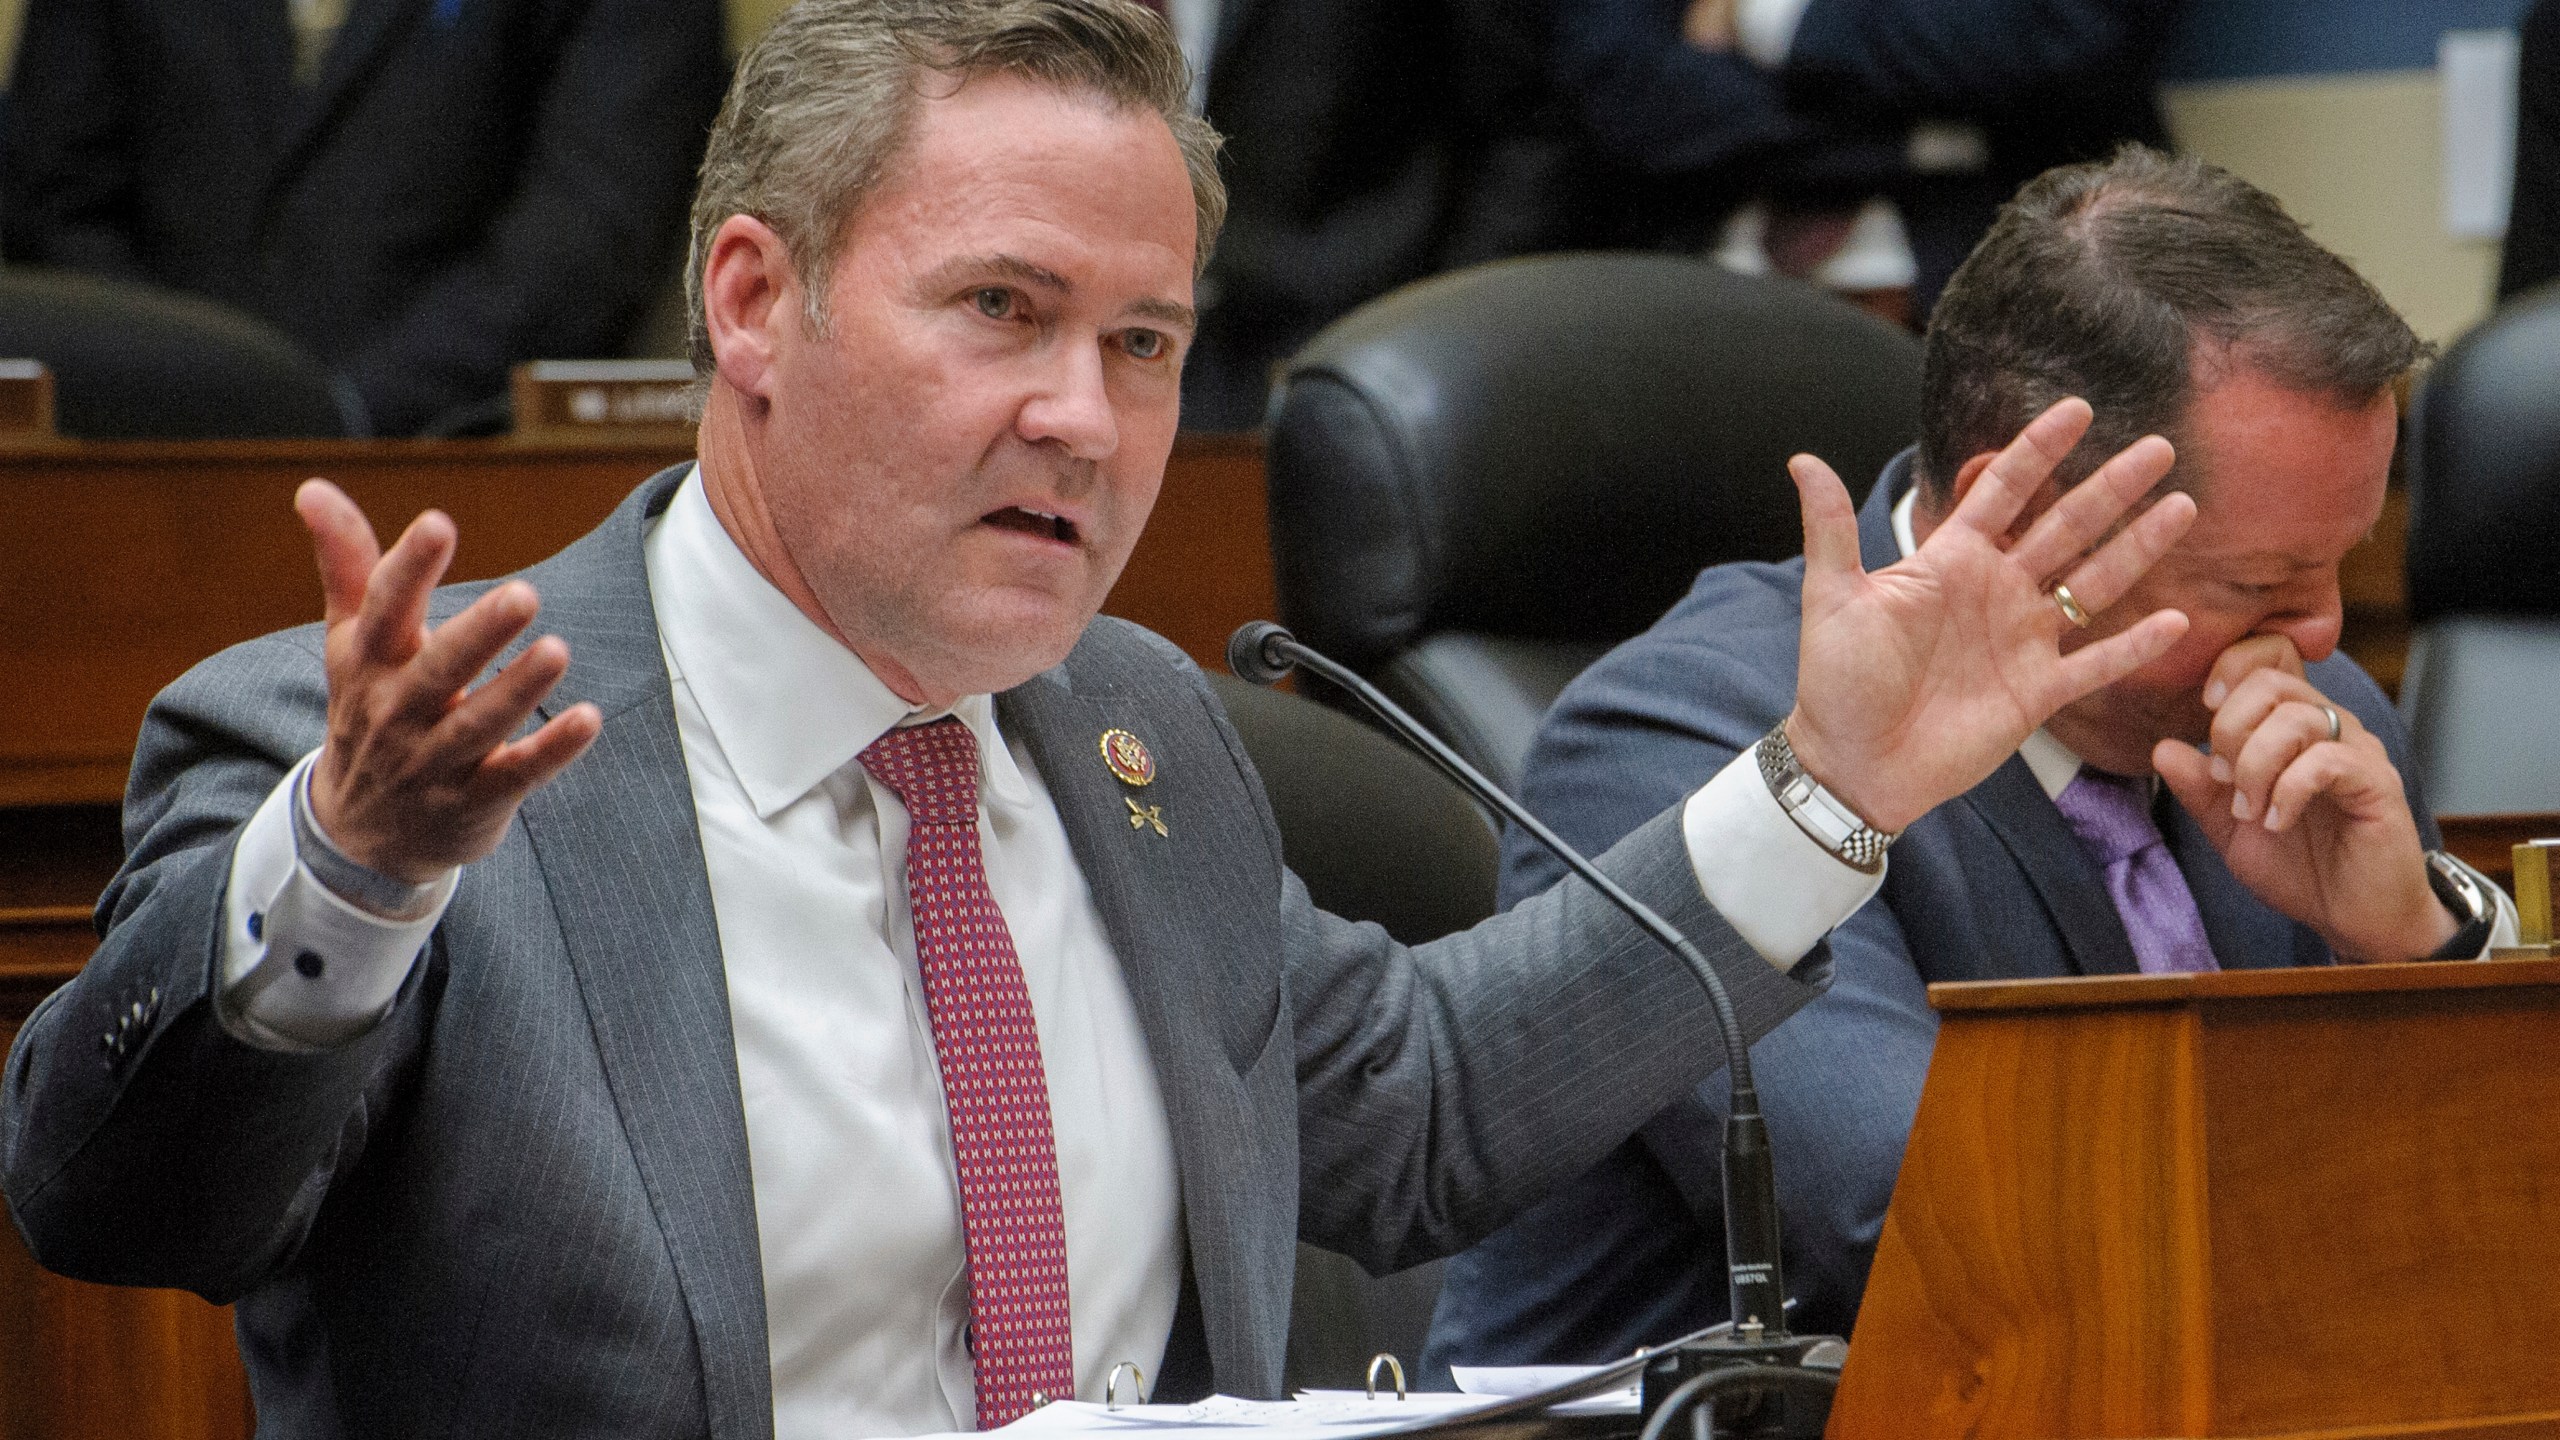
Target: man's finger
point(1830, 522)
point(2246, 708)
point(520, 767)
point(2094, 667)
point(2022, 467)
point(394, 614)
point(342, 543)
point(2189, 776)
point(459, 649)
point(2244, 658)
point(2104, 578)
point(2091, 508)
point(491, 713)
point(2322, 770)
point(2290, 730)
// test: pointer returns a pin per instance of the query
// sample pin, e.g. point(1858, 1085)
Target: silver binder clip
point(1394, 1368)
point(1111, 1385)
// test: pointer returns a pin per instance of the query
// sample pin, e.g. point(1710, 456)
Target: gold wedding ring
point(2071, 610)
point(2335, 729)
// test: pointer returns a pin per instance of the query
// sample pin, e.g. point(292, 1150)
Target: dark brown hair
point(2106, 280)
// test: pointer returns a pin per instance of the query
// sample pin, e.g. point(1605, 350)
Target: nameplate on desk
point(26, 398)
point(605, 399)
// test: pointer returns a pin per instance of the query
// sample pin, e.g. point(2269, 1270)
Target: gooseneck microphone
point(1262, 653)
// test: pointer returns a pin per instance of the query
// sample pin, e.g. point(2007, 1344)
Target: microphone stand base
point(1782, 1412)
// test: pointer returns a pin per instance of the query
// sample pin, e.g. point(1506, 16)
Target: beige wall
point(2358, 159)
point(747, 19)
point(10, 13)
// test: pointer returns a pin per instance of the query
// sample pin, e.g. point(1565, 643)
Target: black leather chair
point(1377, 834)
point(134, 362)
point(1481, 482)
point(2484, 591)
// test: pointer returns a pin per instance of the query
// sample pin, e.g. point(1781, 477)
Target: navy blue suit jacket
point(1991, 885)
point(465, 184)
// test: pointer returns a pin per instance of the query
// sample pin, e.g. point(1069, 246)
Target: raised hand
point(2318, 828)
point(1916, 682)
point(417, 775)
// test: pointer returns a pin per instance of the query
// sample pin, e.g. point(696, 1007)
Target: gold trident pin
point(1142, 816)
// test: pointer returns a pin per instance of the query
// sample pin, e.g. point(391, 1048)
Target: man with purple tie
point(2236, 802)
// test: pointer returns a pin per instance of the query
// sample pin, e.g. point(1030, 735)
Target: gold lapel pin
point(1127, 756)
point(1142, 816)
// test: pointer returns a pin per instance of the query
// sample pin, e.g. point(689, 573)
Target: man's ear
point(749, 291)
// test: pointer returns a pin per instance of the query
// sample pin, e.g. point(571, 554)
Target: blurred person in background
point(1861, 144)
point(2532, 252)
point(1369, 143)
point(419, 192)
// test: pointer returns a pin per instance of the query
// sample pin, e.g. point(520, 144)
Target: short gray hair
point(821, 108)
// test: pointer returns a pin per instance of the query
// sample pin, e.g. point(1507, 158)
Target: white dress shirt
point(857, 1207)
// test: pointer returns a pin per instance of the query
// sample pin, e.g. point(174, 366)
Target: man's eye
point(993, 301)
point(1142, 344)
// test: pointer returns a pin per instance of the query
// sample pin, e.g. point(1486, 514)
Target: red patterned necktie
point(992, 1079)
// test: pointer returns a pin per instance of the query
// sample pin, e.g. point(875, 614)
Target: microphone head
point(1251, 655)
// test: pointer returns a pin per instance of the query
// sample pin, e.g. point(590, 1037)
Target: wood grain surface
point(2287, 1202)
point(121, 564)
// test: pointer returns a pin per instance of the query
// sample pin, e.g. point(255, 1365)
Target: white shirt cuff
point(1779, 890)
point(301, 968)
point(1765, 30)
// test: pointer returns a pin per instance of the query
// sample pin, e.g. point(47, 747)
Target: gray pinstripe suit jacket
point(521, 1203)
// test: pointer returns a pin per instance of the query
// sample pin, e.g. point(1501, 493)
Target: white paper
point(1508, 1381)
point(2477, 69)
point(1322, 1415)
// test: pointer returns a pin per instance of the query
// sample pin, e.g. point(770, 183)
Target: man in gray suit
point(832, 983)
point(2189, 299)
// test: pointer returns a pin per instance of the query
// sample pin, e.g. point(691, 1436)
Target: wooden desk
point(123, 564)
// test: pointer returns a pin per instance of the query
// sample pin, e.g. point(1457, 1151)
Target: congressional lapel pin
point(1127, 757)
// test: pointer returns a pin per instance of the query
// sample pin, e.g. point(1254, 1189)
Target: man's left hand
point(2320, 829)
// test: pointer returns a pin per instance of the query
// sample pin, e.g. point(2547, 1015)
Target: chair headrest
point(135, 361)
point(2484, 468)
point(1553, 447)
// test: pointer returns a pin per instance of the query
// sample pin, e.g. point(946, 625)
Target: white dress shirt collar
point(795, 706)
point(2051, 761)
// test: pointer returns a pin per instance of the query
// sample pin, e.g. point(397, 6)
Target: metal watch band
point(1817, 812)
point(2458, 889)
point(359, 885)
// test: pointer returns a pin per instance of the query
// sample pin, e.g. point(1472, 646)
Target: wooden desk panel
point(123, 564)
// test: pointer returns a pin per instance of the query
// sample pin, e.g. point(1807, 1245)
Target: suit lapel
point(621, 853)
point(370, 27)
point(2036, 836)
point(1206, 982)
point(260, 34)
point(2246, 934)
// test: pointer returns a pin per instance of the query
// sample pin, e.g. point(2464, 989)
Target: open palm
point(1917, 681)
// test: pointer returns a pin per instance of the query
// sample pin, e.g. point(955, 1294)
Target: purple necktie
point(2112, 816)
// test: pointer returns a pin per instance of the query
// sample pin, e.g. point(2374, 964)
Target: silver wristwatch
point(1817, 812)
